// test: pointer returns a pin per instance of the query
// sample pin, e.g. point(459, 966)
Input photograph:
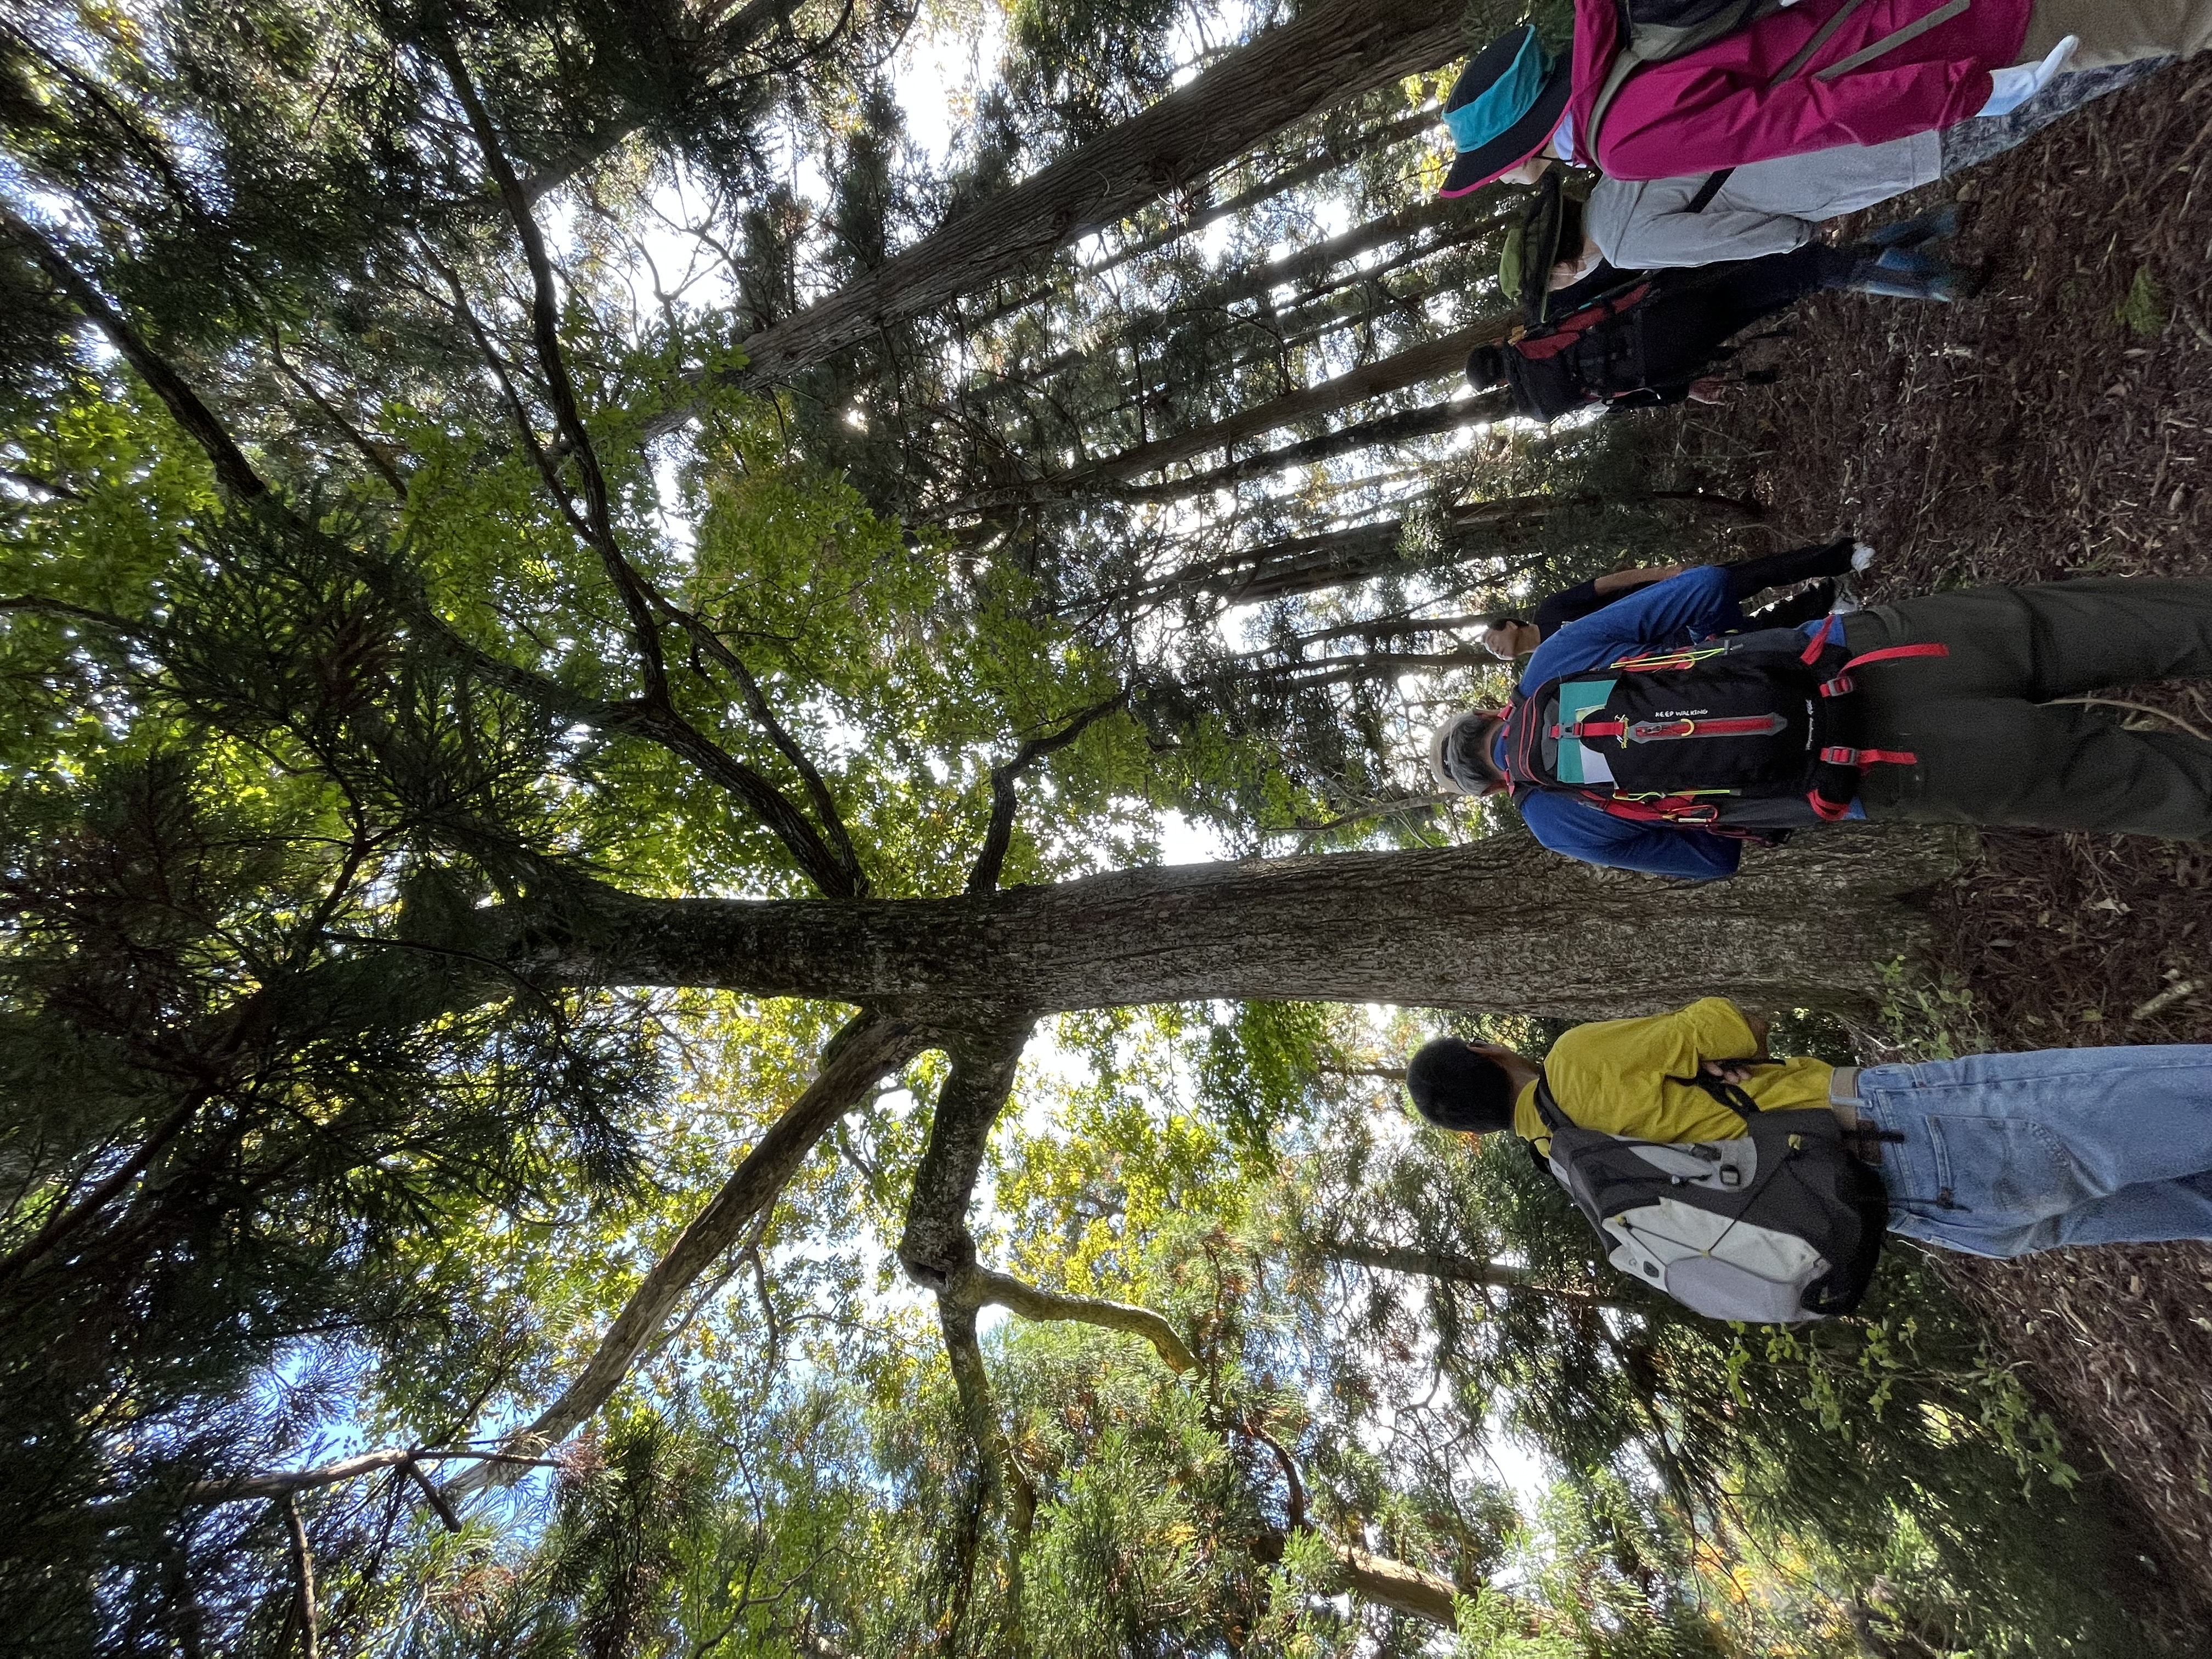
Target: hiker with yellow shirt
point(1760, 1184)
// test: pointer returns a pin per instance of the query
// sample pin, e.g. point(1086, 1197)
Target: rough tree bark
point(1302, 319)
point(1332, 52)
point(1400, 426)
point(936, 1246)
point(1307, 564)
point(1497, 924)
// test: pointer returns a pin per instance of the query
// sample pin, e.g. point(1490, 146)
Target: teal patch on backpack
point(1578, 763)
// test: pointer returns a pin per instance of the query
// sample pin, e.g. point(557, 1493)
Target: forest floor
point(2060, 424)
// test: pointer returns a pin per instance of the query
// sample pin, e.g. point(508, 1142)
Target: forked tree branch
point(284, 1483)
point(1456, 1269)
point(1377, 1578)
point(984, 878)
point(561, 390)
point(977, 1286)
point(936, 1246)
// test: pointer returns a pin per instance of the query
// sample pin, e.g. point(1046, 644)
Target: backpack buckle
point(1837, 686)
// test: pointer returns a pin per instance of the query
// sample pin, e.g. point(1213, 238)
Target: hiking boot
point(1846, 587)
point(1936, 225)
point(1899, 273)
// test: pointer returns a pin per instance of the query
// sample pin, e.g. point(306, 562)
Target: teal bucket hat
point(1506, 102)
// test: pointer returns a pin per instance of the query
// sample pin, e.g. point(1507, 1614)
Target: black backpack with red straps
point(1746, 733)
point(1590, 355)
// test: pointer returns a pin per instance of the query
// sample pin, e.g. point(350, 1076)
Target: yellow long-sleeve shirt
point(1619, 1075)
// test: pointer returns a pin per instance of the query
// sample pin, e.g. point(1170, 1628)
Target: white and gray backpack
point(1781, 1225)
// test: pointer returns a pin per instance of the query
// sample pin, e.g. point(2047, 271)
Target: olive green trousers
point(1991, 743)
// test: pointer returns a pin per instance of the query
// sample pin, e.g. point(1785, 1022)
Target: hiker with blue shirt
point(1647, 736)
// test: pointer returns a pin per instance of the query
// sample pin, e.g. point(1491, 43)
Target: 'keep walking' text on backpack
point(1780, 1225)
point(1745, 731)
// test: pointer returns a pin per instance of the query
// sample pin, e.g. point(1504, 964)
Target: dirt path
point(2060, 424)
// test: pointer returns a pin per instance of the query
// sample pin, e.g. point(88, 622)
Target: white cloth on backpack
point(2011, 88)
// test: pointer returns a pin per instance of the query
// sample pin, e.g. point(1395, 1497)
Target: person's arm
point(1724, 1036)
point(1696, 602)
point(1677, 239)
point(1571, 826)
point(1615, 582)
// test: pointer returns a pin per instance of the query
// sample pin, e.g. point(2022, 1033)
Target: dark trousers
point(1992, 746)
point(1700, 310)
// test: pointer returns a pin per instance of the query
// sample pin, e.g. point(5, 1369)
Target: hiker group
point(1654, 726)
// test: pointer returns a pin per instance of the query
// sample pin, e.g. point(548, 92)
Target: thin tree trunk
point(1307, 564)
point(1297, 324)
point(863, 1051)
point(1265, 189)
point(1499, 924)
point(1457, 1269)
point(1334, 50)
point(1402, 427)
point(1432, 360)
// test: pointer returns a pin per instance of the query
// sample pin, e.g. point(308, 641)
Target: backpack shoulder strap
point(1626, 62)
point(1548, 1106)
point(1707, 190)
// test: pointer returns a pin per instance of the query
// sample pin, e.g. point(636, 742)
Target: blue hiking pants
point(2002, 1154)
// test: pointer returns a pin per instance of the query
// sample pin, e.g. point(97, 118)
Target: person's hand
point(1709, 390)
point(1728, 1071)
point(1576, 266)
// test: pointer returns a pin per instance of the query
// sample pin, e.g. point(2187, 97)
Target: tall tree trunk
point(1334, 558)
point(1402, 426)
point(1303, 320)
point(1432, 360)
point(1309, 564)
point(1332, 52)
point(1265, 189)
point(1304, 265)
point(1497, 924)
point(1456, 1269)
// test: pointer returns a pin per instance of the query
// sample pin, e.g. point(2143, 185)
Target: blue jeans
point(2004, 1154)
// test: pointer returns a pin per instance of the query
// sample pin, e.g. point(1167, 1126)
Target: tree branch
point(303, 1563)
point(659, 724)
point(703, 634)
point(976, 1286)
point(232, 472)
point(862, 1052)
point(984, 878)
point(1464, 1270)
point(352, 433)
point(284, 1483)
point(1379, 1579)
point(545, 320)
